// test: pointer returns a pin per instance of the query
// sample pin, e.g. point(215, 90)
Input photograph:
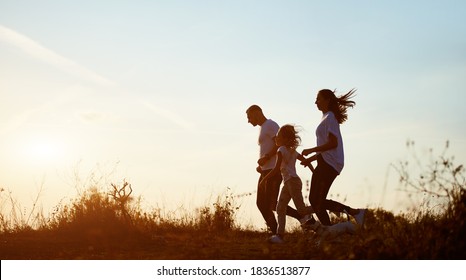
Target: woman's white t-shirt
point(329, 125)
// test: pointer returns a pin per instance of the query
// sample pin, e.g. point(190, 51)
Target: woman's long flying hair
point(339, 105)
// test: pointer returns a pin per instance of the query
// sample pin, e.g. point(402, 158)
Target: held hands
point(307, 163)
point(306, 152)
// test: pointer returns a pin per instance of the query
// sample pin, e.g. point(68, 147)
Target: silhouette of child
point(287, 139)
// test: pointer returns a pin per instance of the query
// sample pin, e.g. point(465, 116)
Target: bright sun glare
point(42, 150)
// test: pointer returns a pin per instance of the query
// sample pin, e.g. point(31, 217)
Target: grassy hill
point(97, 227)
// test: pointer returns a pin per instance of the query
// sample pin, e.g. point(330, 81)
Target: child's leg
point(295, 189)
point(283, 201)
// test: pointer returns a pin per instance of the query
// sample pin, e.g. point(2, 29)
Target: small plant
point(219, 218)
point(122, 198)
point(438, 179)
point(96, 213)
point(20, 218)
point(439, 227)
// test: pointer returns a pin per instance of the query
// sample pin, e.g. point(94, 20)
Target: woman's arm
point(332, 143)
point(306, 161)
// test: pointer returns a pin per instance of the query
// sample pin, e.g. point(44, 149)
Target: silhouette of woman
point(329, 155)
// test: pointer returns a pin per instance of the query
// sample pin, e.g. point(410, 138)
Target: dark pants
point(267, 196)
point(321, 181)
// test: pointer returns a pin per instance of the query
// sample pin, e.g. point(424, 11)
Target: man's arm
point(268, 155)
point(275, 169)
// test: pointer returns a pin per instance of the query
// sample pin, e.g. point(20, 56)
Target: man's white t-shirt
point(267, 133)
point(334, 157)
point(288, 165)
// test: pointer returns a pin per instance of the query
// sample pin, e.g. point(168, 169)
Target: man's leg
point(264, 205)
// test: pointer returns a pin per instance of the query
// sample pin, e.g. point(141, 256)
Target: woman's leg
point(338, 207)
point(323, 181)
point(317, 195)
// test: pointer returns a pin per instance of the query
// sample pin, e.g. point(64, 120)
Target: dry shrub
point(101, 217)
point(435, 229)
point(220, 217)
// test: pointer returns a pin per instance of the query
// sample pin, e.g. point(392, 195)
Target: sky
point(155, 93)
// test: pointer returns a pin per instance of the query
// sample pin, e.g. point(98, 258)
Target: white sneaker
point(340, 228)
point(276, 239)
point(360, 217)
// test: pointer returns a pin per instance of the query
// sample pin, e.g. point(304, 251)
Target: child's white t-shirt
point(334, 157)
point(288, 164)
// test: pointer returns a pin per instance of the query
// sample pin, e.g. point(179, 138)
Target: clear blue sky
point(156, 92)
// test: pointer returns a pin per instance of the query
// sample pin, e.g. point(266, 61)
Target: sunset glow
point(156, 93)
